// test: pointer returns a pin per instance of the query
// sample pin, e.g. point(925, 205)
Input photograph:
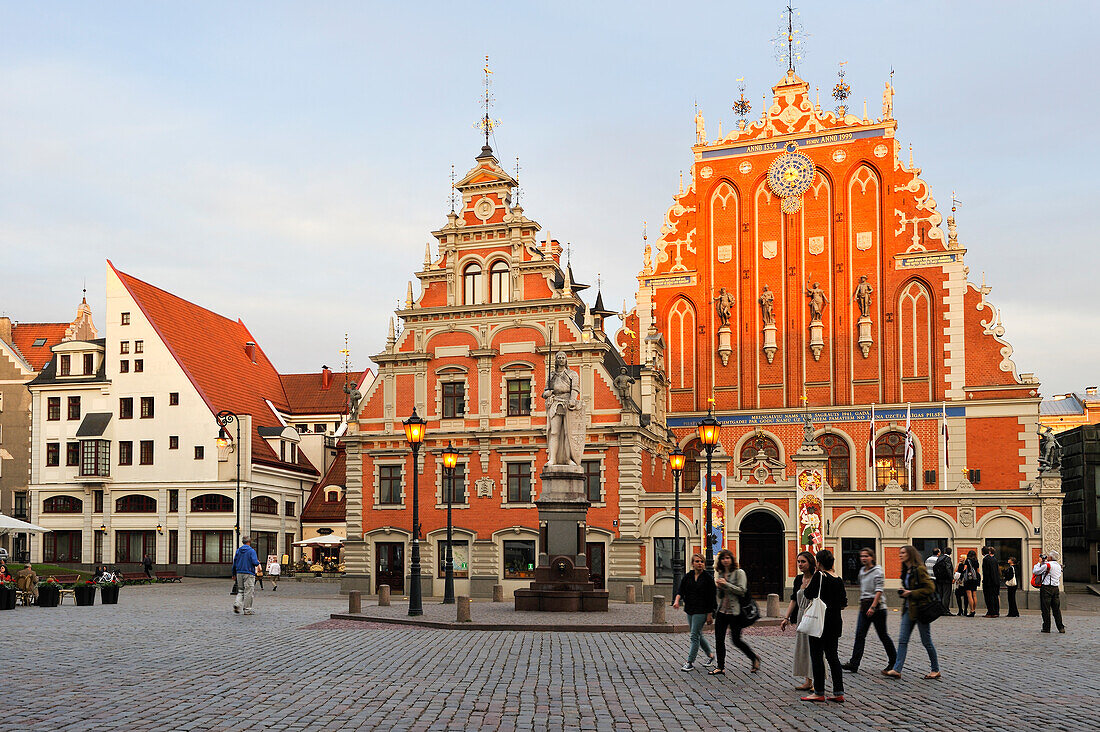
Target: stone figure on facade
point(818, 301)
point(563, 407)
point(862, 296)
point(354, 397)
point(1050, 450)
point(623, 382)
point(767, 306)
point(724, 303)
point(700, 128)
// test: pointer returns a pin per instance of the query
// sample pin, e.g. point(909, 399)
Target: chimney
point(5, 329)
point(326, 378)
point(250, 351)
point(1090, 390)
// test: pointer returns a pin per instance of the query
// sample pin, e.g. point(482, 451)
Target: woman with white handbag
point(807, 565)
point(822, 622)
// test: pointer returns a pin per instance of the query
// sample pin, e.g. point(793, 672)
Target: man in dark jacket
point(943, 575)
point(991, 584)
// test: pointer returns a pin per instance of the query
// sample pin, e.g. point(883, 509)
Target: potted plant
point(108, 589)
point(7, 595)
point(49, 593)
point(84, 592)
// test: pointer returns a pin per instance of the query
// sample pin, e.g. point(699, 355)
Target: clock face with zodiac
point(790, 175)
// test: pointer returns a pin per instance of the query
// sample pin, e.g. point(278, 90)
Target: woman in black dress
point(972, 577)
point(960, 585)
point(831, 590)
point(1011, 582)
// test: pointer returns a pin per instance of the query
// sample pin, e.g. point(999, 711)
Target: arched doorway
point(761, 543)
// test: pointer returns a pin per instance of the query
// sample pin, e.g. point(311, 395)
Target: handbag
point(750, 611)
point(930, 610)
point(1011, 581)
point(813, 620)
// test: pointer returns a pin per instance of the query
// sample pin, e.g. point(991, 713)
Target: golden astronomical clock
point(789, 176)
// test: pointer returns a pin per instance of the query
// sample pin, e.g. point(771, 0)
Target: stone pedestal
point(817, 339)
point(769, 342)
point(561, 579)
point(725, 344)
point(865, 339)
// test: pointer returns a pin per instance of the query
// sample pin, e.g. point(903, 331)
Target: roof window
point(38, 343)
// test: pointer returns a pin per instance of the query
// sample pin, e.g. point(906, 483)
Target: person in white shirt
point(274, 569)
point(1050, 572)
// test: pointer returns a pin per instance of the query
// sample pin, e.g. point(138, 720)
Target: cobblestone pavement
point(176, 657)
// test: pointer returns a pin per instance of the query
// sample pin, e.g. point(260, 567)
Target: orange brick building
point(472, 360)
point(805, 268)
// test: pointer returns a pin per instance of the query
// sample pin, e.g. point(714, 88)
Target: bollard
point(383, 595)
point(498, 593)
point(631, 594)
point(355, 602)
point(773, 605)
point(462, 607)
point(659, 610)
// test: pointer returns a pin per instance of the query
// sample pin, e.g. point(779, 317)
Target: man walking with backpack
point(942, 574)
point(245, 563)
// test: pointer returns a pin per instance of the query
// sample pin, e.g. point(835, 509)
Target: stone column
point(356, 561)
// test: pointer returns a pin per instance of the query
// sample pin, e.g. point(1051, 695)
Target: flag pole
point(874, 467)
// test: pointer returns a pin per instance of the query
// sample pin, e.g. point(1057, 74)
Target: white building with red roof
point(128, 457)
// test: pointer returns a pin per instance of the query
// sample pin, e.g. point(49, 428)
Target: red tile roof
point(317, 507)
point(24, 335)
point(211, 351)
point(306, 394)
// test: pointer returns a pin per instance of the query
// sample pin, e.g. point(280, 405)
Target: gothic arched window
point(498, 282)
point(890, 460)
point(837, 463)
point(755, 444)
point(471, 284)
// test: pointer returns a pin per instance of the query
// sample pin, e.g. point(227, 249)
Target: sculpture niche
point(562, 581)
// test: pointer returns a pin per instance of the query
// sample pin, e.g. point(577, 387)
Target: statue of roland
point(563, 403)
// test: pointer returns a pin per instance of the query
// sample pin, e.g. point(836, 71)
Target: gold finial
point(910, 155)
point(452, 188)
point(681, 182)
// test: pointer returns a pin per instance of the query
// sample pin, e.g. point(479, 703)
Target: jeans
point(825, 649)
point(697, 639)
point(246, 590)
point(1050, 602)
point(722, 622)
point(863, 624)
point(906, 631)
point(1013, 611)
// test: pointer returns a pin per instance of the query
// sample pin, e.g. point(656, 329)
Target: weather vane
point(741, 106)
point(841, 92)
point(452, 196)
point(487, 124)
point(347, 353)
point(788, 41)
point(517, 180)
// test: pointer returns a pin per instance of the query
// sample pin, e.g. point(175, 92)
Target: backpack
point(1037, 579)
point(941, 569)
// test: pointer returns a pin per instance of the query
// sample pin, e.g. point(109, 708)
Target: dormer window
point(471, 284)
point(333, 497)
point(66, 364)
point(89, 364)
point(498, 281)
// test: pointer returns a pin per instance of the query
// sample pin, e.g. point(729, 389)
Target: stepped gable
point(211, 351)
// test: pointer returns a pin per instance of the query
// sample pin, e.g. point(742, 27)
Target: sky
point(285, 163)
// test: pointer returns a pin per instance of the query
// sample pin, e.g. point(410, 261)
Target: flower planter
point(7, 598)
point(49, 595)
point(85, 594)
point(108, 594)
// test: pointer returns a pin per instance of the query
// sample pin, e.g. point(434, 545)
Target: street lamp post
point(450, 460)
point(708, 435)
point(223, 418)
point(414, 433)
point(676, 460)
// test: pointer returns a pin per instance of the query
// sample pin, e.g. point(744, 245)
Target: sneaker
point(687, 667)
point(249, 612)
point(850, 667)
point(236, 609)
point(709, 661)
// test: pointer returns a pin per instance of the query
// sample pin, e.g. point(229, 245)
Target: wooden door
point(389, 566)
point(594, 553)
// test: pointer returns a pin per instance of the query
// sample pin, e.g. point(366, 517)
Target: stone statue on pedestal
point(563, 413)
point(354, 397)
point(1050, 450)
point(767, 306)
point(862, 296)
point(724, 303)
point(818, 301)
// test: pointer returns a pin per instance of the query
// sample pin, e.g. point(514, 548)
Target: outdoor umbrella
point(329, 540)
point(10, 525)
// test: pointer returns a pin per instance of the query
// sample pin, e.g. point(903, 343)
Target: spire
point(428, 253)
point(391, 336)
point(487, 124)
point(409, 295)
